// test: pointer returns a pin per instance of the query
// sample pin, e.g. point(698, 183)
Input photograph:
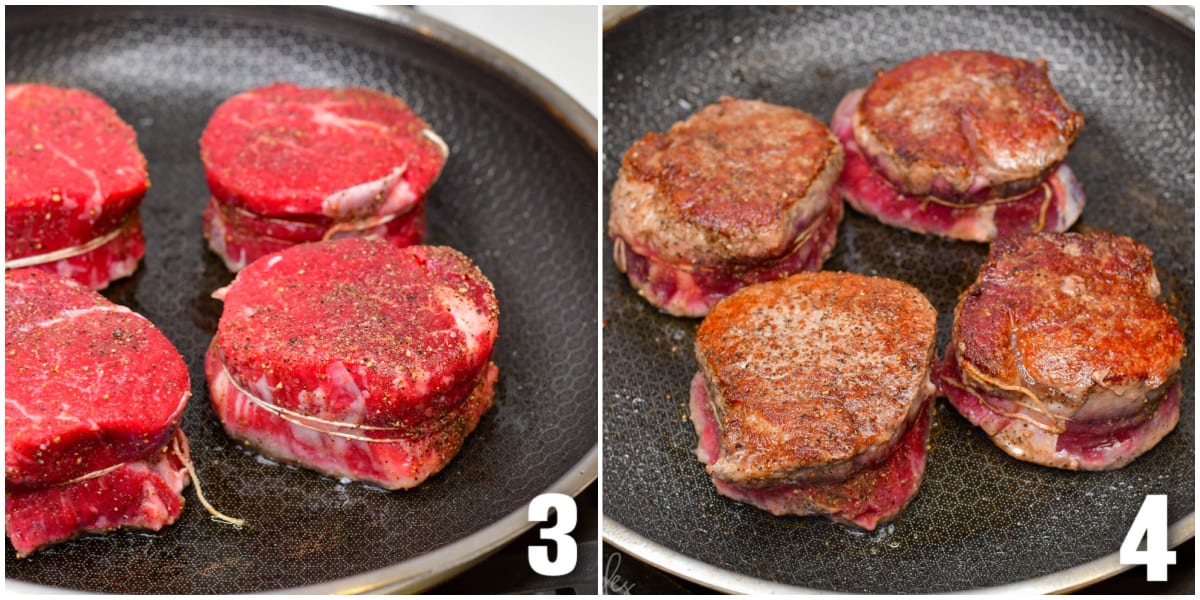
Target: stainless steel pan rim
point(428, 570)
point(435, 567)
point(1183, 15)
point(626, 540)
point(552, 97)
point(443, 563)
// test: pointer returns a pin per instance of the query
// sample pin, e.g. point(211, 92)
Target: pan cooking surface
point(981, 518)
point(517, 196)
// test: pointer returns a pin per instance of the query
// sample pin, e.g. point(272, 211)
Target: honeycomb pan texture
point(981, 519)
point(517, 196)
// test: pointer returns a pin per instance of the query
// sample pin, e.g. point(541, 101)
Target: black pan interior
point(981, 518)
point(517, 196)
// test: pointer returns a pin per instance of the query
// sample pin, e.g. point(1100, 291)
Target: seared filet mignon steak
point(93, 399)
point(814, 395)
point(355, 358)
point(963, 144)
point(742, 192)
point(73, 180)
point(1062, 352)
point(288, 165)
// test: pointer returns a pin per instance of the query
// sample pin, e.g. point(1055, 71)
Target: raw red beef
point(88, 383)
point(139, 494)
point(74, 178)
point(356, 358)
point(409, 457)
point(89, 386)
point(239, 236)
point(287, 165)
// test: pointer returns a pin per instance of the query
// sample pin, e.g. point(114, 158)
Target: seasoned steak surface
point(736, 182)
point(815, 376)
point(1073, 319)
point(68, 156)
point(344, 153)
point(692, 290)
point(965, 125)
point(88, 384)
point(1053, 205)
point(865, 499)
point(359, 331)
point(142, 494)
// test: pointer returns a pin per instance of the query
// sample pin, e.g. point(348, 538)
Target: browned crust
point(733, 182)
point(814, 370)
point(965, 124)
point(1064, 316)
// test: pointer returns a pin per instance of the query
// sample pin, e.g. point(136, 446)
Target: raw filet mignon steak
point(355, 358)
point(814, 395)
point(93, 396)
point(740, 193)
point(73, 180)
point(963, 144)
point(1062, 352)
point(288, 165)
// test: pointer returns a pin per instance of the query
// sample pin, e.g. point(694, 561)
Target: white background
point(560, 42)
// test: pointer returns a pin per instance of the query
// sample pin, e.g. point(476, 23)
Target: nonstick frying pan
point(982, 519)
point(517, 196)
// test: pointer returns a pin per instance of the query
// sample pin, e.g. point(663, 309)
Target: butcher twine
point(183, 457)
point(360, 224)
point(338, 227)
point(186, 459)
point(68, 252)
point(298, 419)
point(1047, 198)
